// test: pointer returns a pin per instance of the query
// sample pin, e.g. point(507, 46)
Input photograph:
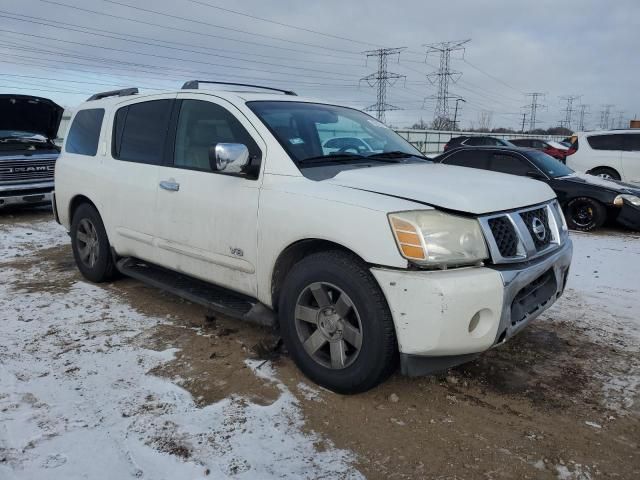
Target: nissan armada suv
point(235, 198)
point(28, 127)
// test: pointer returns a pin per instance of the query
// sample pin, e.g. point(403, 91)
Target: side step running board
point(216, 298)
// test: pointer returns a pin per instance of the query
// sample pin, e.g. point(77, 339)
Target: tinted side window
point(513, 165)
point(140, 131)
point(476, 142)
point(202, 124)
point(84, 133)
point(468, 159)
point(632, 142)
point(606, 142)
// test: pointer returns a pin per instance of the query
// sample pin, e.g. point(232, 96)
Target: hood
point(449, 187)
point(613, 185)
point(30, 114)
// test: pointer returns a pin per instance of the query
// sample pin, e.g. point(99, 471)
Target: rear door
point(606, 151)
point(207, 219)
point(138, 148)
point(630, 157)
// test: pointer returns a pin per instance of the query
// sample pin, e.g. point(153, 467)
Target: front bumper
point(447, 317)
point(37, 193)
point(629, 216)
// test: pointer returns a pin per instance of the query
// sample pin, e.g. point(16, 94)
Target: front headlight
point(434, 238)
point(632, 199)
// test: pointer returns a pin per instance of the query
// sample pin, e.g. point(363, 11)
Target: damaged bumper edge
point(445, 318)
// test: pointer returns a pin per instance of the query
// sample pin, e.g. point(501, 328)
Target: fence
point(433, 141)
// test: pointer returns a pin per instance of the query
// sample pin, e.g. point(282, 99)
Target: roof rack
point(124, 92)
point(194, 84)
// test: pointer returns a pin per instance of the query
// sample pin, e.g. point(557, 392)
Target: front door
point(207, 220)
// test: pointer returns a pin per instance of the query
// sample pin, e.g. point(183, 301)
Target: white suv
point(611, 154)
point(360, 259)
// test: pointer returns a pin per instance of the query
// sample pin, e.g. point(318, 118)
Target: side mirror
point(228, 157)
point(536, 175)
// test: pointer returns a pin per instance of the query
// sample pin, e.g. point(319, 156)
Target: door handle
point(170, 185)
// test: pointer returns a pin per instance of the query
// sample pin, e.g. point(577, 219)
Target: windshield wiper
point(335, 157)
point(397, 154)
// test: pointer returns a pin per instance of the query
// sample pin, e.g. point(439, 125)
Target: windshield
point(328, 133)
point(549, 165)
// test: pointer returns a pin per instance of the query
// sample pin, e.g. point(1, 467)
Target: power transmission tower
point(533, 108)
point(382, 79)
point(620, 119)
point(443, 77)
point(568, 111)
point(583, 112)
point(524, 119)
point(605, 113)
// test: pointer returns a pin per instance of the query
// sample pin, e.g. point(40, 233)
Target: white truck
point(234, 197)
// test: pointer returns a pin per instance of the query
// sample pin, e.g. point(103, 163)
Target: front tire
point(336, 324)
point(90, 245)
point(606, 173)
point(585, 214)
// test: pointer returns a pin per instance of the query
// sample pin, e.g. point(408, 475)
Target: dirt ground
point(540, 406)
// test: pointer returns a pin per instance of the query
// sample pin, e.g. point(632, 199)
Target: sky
point(68, 49)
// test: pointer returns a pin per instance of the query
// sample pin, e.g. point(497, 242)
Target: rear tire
point(605, 172)
point(90, 245)
point(585, 214)
point(336, 324)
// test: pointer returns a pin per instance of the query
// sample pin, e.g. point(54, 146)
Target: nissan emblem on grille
point(538, 228)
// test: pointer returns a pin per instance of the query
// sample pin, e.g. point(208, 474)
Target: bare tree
point(442, 123)
point(485, 118)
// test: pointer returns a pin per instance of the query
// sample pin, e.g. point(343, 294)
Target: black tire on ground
point(353, 313)
point(585, 214)
point(90, 245)
point(605, 172)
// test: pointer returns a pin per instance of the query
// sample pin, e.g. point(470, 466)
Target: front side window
point(504, 163)
point(203, 124)
point(549, 165)
point(606, 142)
point(84, 134)
point(140, 131)
point(468, 158)
point(311, 132)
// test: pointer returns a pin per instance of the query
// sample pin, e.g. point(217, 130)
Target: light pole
point(455, 114)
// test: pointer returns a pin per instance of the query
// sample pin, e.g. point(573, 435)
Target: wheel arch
point(78, 200)
point(604, 167)
point(295, 252)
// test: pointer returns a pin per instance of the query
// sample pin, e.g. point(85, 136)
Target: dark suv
point(476, 141)
point(28, 127)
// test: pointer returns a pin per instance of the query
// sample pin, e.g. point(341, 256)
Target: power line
point(282, 24)
point(382, 79)
point(444, 74)
point(491, 76)
point(222, 27)
point(177, 29)
point(604, 116)
point(533, 108)
point(119, 36)
point(583, 112)
point(568, 111)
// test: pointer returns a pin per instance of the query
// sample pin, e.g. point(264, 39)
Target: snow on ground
point(603, 298)
point(605, 273)
point(77, 402)
point(20, 238)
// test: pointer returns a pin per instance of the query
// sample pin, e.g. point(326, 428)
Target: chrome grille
point(524, 234)
point(27, 169)
point(540, 238)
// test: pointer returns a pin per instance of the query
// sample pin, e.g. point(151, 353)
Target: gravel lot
point(123, 381)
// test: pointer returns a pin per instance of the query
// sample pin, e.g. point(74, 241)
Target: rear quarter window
point(84, 134)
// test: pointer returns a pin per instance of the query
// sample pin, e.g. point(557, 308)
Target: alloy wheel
point(87, 242)
point(328, 325)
